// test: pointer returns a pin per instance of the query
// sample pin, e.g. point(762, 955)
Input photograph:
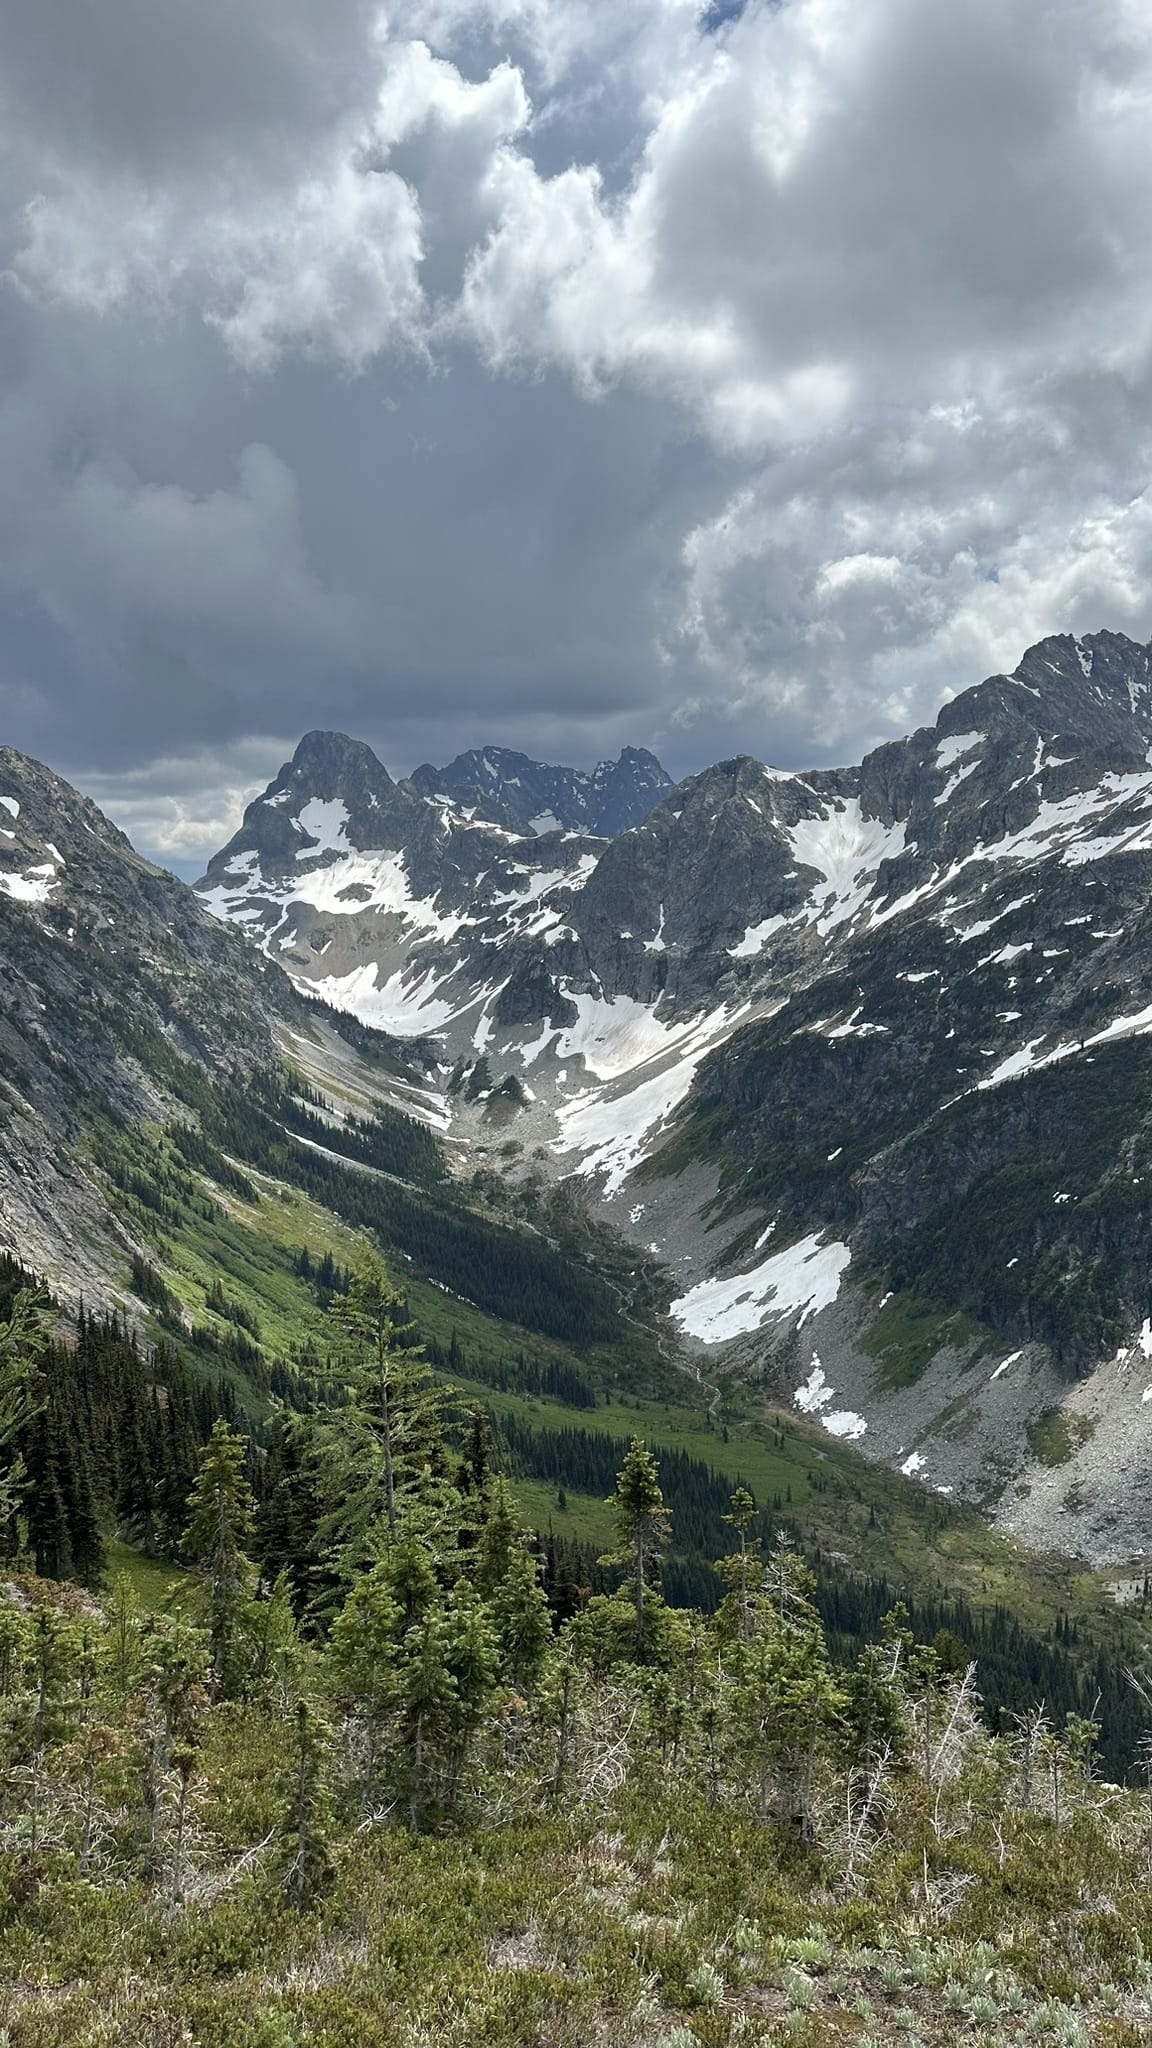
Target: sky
point(558, 374)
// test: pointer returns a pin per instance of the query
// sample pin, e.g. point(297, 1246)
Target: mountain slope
point(823, 1038)
point(112, 979)
point(126, 1007)
point(187, 1136)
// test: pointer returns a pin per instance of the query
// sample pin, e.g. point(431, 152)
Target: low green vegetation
point(906, 1335)
point(1055, 1436)
point(407, 1788)
point(1022, 1209)
point(158, 1585)
point(872, 1534)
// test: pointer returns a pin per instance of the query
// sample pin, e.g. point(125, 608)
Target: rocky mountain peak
point(890, 1009)
point(1095, 690)
point(524, 795)
point(333, 797)
point(331, 764)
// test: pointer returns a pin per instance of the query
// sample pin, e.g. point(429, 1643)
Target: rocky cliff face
point(863, 1053)
point(395, 903)
point(117, 990)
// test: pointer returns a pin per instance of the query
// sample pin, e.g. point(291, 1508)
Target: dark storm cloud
point(556, 374)
point(162, 88)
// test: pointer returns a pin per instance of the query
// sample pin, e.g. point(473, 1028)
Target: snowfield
point(846, 848)
point(816, 1395)
point(35, 886)
point(800, 1280)
point(613, 1125)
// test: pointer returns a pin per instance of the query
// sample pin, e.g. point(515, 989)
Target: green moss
point(957, 1420)
point(906, 1335)
point(1054, 1437)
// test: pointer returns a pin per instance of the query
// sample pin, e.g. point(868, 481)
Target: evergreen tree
point(304, 1848)
point(744, 1569)
point(220, 1525)
point(786, 1707)
point(22, 1340)
point(48, 1455)
point(136, 1494)
point(476, 1463)
point(383, 1453)
point(369, 1315)
point(421, 1662)
point(508, 1578)
point(876, 1710)
point(89, 1557)
point(643, 1526)
point(291, 1511)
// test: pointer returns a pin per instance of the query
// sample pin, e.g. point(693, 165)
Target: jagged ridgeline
point(407, 1632)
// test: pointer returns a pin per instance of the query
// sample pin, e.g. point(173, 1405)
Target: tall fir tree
point(220, 1528)
point(643, 1529)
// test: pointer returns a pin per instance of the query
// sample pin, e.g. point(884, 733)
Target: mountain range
point(857, 1060)
point(890, 1019)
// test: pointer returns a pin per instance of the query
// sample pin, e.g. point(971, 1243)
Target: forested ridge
point(114, 1447)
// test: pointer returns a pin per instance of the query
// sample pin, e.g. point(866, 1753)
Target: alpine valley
point(860, 1057)
point(553, 1331)
point(805, 1118)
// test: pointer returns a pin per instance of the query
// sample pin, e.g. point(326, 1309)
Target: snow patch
point(656, 943)
point(854, 1030)
point(846, 1423)
point(815, 1392)
point(954, 781)
point(755, 938)
point(1006, 955)
point(34, 887)
point(1138, 1024)
point(958, 744)
point(373, 881)
point(325, 821)
point(613, 1034)
point(847, 849)
point(613, 1123)
point(985, 924)
point(802, 1279)
point(409, 1007)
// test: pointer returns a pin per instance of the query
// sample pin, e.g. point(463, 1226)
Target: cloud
point(169, 94)
point(564, 373)
point(324, 258)
point(124, 567)
point(840, 205)
point(181, 808)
